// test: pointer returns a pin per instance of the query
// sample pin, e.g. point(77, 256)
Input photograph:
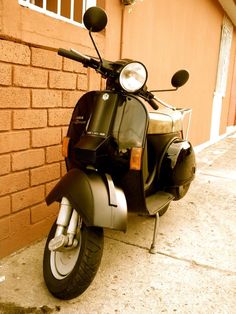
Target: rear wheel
point(179, 192)
point(69, 273)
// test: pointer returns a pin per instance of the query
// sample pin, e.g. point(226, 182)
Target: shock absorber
point(72, 229)
point(64, 219)
point(63, 216)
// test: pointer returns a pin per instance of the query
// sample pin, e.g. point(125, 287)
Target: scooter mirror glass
point(95, 19)
point(180, 78)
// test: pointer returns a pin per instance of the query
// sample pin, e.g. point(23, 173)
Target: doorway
point(221, 80)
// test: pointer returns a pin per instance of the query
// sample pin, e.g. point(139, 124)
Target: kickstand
point(153, 248)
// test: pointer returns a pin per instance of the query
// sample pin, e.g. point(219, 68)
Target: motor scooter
point(122, 154)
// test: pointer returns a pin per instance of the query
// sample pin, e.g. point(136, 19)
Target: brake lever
point(150, 98)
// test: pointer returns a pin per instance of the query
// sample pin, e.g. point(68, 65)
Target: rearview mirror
point(95, 19)
point(179, 78)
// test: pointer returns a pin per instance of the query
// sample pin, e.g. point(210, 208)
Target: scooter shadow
point(139, 232)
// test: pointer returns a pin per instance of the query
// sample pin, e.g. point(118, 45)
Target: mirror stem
point(163, 90)
point(94, 44)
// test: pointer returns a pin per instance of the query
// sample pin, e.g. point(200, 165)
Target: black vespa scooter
point(119, 157)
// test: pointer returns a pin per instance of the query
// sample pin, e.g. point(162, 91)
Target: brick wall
point(38, 90)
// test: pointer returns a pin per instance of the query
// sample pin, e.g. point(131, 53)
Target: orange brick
point(26, 119)
point(63, 168)
point(5, 164)
point(14, 182)
point(14, 52)
point(41, 228)
point(19, 221)
point(42, 98)
point(46, 59)
point(42, 211)
point(70, 98)
point(29, 77)
point(20, 234)
point(28, 159)
point(73, 66)
point(59, 117)
point(54, 153)
point(62, 80)
point(64, 131)
point(4, 228)
point(50, 186)
point(15, 241)
point(94, 80)
point(45, 174)
point(27, 198)
point(46, 137)
point(5, 206)
point(12, 97)
point(5, 74)
point(5, 120)
point(14, 141)
point(82, 82)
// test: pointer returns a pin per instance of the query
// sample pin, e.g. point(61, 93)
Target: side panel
point(178, 165)
point(90, 195)
point(157, 144)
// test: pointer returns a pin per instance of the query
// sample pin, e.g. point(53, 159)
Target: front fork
point(68, 221)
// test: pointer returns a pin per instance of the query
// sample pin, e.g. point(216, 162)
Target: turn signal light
point(136, 158)
point(65, 146)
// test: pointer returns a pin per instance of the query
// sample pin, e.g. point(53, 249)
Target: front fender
point(97, 200)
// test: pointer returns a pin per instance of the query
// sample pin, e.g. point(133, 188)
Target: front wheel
point(69, 273)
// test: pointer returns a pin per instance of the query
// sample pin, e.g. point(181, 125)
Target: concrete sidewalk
point(194, 270)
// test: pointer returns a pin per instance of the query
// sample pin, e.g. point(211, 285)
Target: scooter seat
point(165, 121)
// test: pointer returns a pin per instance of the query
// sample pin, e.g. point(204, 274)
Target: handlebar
point(105, 68)
point(71, 55)
point(77, 56)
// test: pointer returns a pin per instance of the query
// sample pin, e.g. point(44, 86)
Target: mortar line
point(189, 261)
point(216, 175)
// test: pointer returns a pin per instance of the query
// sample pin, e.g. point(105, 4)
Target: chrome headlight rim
point(139, 70)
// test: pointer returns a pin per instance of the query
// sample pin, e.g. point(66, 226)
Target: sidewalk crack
point(182, 259)
point(217, 175)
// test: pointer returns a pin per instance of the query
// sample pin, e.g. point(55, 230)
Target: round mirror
point(180, 78)
point(95, 19)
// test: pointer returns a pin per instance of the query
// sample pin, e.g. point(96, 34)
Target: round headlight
point(133, 76)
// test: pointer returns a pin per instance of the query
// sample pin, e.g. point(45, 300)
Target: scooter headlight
point(133, 76)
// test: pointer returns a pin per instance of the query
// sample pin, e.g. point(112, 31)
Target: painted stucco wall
point(170, 35)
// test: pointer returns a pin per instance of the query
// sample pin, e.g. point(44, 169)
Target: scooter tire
point(86, 258)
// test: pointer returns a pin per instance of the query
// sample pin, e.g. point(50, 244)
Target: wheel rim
point(63, 263)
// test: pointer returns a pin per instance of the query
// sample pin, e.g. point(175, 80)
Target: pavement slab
point(130, 280)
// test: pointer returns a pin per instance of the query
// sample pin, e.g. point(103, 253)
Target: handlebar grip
point(153, 104)
point(71, 55)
